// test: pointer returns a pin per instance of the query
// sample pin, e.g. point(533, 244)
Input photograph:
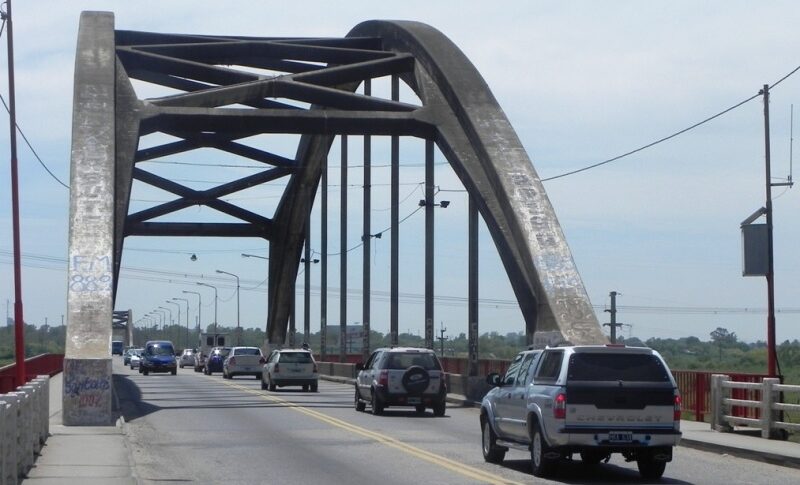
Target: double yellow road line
point(451, 465)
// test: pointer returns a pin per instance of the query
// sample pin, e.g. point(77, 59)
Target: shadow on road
point(575, 471)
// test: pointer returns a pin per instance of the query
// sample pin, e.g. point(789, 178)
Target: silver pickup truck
point(590, 400)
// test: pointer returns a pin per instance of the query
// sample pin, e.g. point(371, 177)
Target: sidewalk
point(81, 455)
point(742, 443)
point(86, 455)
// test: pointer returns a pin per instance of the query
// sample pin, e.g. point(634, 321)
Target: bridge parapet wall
point(24, 427)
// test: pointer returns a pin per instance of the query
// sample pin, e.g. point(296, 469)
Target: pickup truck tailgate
point(619, 391)
point(620, 405)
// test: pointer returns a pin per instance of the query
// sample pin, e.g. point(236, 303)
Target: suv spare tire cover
point(416, 380)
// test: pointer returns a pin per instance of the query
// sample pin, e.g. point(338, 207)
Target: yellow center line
point(439, 460)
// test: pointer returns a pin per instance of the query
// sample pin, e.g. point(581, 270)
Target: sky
point(581, 82)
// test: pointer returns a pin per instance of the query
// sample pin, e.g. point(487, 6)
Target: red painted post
point(19, 321)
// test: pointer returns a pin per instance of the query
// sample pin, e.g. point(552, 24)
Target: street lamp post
point(238, 329)
point(187, 318)
point(168, 302)
point(171, 321)
point(216, 301)
point(199, 306)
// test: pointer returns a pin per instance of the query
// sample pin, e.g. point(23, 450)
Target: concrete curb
point(748, 454)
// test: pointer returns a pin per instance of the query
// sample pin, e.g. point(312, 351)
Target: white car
point(243, 361)
point(186, 359)
point(136, 358)
point(290, 367)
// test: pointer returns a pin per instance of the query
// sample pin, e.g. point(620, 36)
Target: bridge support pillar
point(87, 359)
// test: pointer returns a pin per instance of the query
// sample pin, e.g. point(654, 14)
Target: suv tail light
point(560, 406)
point(277, 367)
point(383, 378)
point(676, 415)
point(232, 361)
point(262, 361)
point(315, 368)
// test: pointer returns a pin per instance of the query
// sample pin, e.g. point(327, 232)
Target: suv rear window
point(246, 352)
point(295, 358)
point(616, 367)
point(425, 360)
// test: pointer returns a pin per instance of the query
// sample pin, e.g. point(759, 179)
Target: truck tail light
point(277, 368)
point(560, 406)
point(232, 361)
point(676, 415)
point(262, 361)
point(315, 368)
point(383, 378)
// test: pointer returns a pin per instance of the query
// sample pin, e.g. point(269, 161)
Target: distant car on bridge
point(243, 361)
point(401, 376)
point(158, 356)
point(290, 367)
point(216, 358)
point(187, 358)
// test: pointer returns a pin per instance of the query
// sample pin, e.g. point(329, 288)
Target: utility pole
point(441, 338)
point(772, 359)
point(613, 311)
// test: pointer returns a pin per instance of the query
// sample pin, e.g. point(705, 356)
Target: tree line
point(722, 352)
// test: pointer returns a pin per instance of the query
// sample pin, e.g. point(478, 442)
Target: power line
point(669, 137)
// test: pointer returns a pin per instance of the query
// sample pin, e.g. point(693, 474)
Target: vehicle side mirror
point(359, 366)
point(493, 379)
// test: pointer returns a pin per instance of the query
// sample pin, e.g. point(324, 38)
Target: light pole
point(238, 329)
point(171, 321)
point(187, 318)
point(168, 302)
point(199, 306)
point(216, 301)
point(162, 315)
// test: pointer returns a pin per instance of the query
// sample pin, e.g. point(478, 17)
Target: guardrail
point(695, 386)
point(769, 405)
point(24, 428)
point(50, 364)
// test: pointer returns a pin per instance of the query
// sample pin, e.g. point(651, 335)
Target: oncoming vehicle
point(290, 367)
point(592, 400)
point(243, 361)
point(126, 356)
point(136, 358)
point(187, 358)
point(401, 376)
point(158, 356)
point(116, 347)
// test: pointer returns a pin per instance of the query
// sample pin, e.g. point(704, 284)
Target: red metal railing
point(50, 364)
point(695, 388)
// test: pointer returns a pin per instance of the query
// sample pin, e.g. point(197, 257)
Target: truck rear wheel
point(650, 468)
point(491, 452)
point(542, 465)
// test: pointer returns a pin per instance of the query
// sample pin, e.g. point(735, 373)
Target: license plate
point(414, 400)
point(620, 437)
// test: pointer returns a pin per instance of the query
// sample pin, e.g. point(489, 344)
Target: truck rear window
point(616, 367)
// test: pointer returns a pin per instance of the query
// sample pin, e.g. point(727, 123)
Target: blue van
point(116, 347)
point(158, 356)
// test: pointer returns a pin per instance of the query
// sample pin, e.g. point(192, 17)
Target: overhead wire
point(668, 137)
point(25, 138)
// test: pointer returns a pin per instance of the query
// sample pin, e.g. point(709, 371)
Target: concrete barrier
point(24, 427)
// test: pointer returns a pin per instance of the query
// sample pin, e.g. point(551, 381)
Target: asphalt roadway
point(204, 429)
